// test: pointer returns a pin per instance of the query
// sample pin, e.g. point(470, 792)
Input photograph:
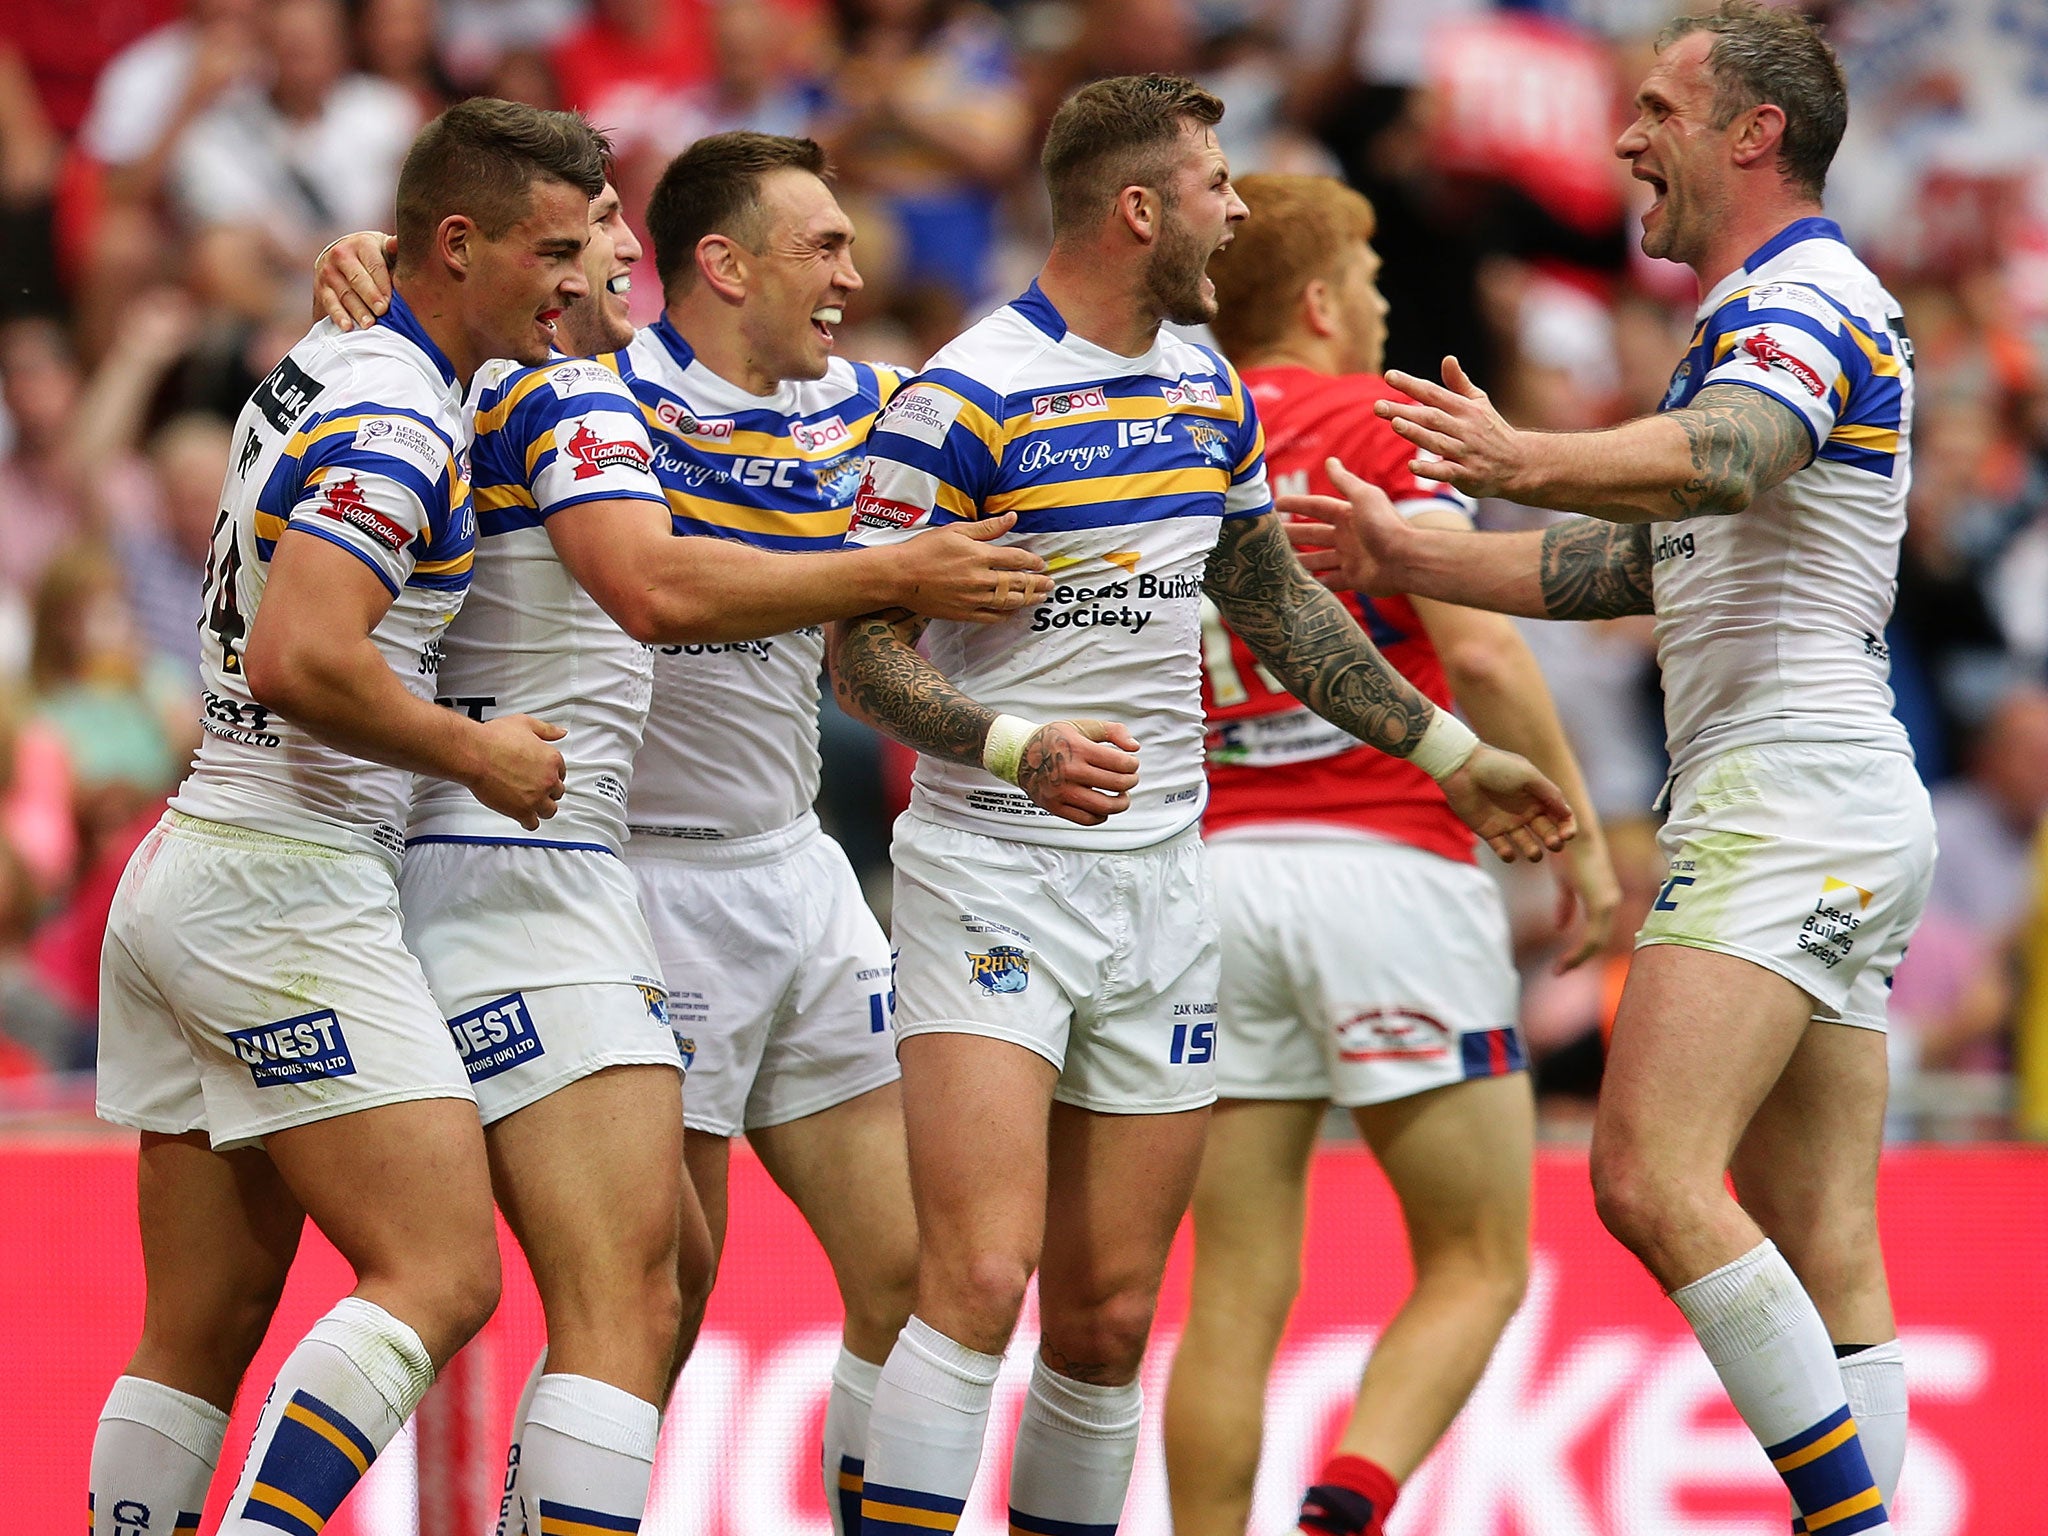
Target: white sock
point(510, 1521)
point(846, 1438)
point(1875, 1381)
point(586, 1455)
point(152, 1459)
point(1075, 1447)
point(924, 1433)
point(1772, 1352)
point(343, 1393)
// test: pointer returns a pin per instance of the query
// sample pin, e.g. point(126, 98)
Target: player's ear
point(1757, 134)
point(455, 243)
point(1319, 308)
point(722, 263)
point(1138, 210)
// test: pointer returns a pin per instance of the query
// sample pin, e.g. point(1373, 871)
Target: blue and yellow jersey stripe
point(521, 424)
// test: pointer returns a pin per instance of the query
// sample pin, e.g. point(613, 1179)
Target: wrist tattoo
point(1596, 570)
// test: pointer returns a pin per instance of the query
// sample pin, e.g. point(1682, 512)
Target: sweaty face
point(1674, 147)
point(520, 284)
point(1200, 213)
point(800, 279)
point(599, 321)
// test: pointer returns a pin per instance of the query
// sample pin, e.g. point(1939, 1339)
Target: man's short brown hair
point(1300, 229)
point(1117, 133)
point(1765, 55)
point(714, 188)
point(481, 158)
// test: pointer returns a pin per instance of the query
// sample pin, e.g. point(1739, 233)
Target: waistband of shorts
point(669, 844)
point(225, 834)
point(921, 827)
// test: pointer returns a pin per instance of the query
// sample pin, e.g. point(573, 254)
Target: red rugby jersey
point(1271, 759)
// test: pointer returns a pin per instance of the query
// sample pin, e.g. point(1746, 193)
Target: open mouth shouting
point(823, 318)
point(1658, 186)
point(547, 318)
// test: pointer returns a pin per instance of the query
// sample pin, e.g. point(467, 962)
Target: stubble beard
point(1173, 278)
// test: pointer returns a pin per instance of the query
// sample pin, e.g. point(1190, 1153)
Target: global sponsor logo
point(717, 430)
point(670, 414)
point(1068, 402)
point(1003, 969)
point(1766, 353)
point(496, 1037)
point(594, 455)
point(816, 436)
point(1038, 455)
point(1392, 1034)
point(345, 502)
point(304, 1049)
point(1190, 392)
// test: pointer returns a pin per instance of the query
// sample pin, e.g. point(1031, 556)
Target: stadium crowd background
point(168, 172)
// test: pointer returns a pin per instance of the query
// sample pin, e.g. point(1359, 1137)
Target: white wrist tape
point(1004, 749)
point(1444, 747)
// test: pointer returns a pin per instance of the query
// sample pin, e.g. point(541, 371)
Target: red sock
point(1368, 1480)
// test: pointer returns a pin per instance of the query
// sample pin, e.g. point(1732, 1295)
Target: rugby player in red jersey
point(1412, 1027)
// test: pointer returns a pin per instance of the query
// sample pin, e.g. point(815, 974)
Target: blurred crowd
point(168, 171)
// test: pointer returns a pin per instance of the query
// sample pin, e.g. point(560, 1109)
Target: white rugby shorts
point(251, 983)
point(1103, 963)
point(541, 963)
point(1812, 860)
point(777, 973)
point(1358, 970)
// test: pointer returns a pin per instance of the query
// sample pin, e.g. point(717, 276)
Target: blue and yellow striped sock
point(886, 1511)
point(1825, 1472)
point(153, 1456)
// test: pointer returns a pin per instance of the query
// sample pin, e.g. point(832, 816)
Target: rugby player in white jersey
point(1055, 936)
point(263, 1024)
point(1758, 516)
point(1409, 1025)
point(759, 935)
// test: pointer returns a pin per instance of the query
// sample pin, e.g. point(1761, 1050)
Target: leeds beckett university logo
point(1767, 355)
point(594, 455)
point(1005, 968)
point(345, 501)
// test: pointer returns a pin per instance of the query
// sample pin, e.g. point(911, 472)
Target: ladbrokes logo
point(1068, 402)
point(594, 455)
point(874, 510)
point(345, 502)
point(1767, 354)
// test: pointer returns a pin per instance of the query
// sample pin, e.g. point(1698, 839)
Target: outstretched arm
point(1711, 457)
point(1581, 568)
point(1079, 770)
point(1310, 643)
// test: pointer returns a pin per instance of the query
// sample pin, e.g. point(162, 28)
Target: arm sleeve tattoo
point(1596, 570)
point(878, 676)
point(1743, 443)
point(1308, 640)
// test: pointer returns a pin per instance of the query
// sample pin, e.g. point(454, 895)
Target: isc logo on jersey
point(1068, 402)
point(295, 1050)
point(496, 1037)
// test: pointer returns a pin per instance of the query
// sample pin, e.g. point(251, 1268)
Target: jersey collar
point(666, 333)
point(1034, 306)
point(400, 318)
point(1795, 233)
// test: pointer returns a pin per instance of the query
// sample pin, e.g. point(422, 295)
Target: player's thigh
point(1460, 1160)
point(591, 1177)
point(1117, 1187)
point(1250, 1208)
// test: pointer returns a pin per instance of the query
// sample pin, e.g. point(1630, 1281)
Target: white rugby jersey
point(530, 640)
point(732, 735)
point(1770, 622)
point(359, 438)
point(1121, 470)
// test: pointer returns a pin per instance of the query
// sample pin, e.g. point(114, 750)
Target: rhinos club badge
point(1005, 968)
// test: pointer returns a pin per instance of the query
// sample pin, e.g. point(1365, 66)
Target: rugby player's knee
point(1630, 1200)
point(1485, 1277)
point(466, 1290)
point(1106, 1334)
point(986, 1289)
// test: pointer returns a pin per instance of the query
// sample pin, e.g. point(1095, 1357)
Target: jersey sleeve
point(562, 434)
point(931, 458)
point(1371, 449)
point(1788, 341)
point(379, 483)
point(1248, 494)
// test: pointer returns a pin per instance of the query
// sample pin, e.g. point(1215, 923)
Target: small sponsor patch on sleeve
point(1767, 353)
point(581, 378)
point(345, 501)
point(923, 412)
point(400, 437)
point(893, 496)
point(1795, 296)
point(592, 451)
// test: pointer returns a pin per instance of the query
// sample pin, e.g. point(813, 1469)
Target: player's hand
point(1505, 800)
point(959, 572)
point(1080, 770)
point(521, 775)
point(1355, 542)
point(1474, 448)
point(1587, 889)
point(352, 279)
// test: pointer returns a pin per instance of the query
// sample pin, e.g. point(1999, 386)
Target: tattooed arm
point(1307, 640)
point(1711, 457)
point(1079, 770)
